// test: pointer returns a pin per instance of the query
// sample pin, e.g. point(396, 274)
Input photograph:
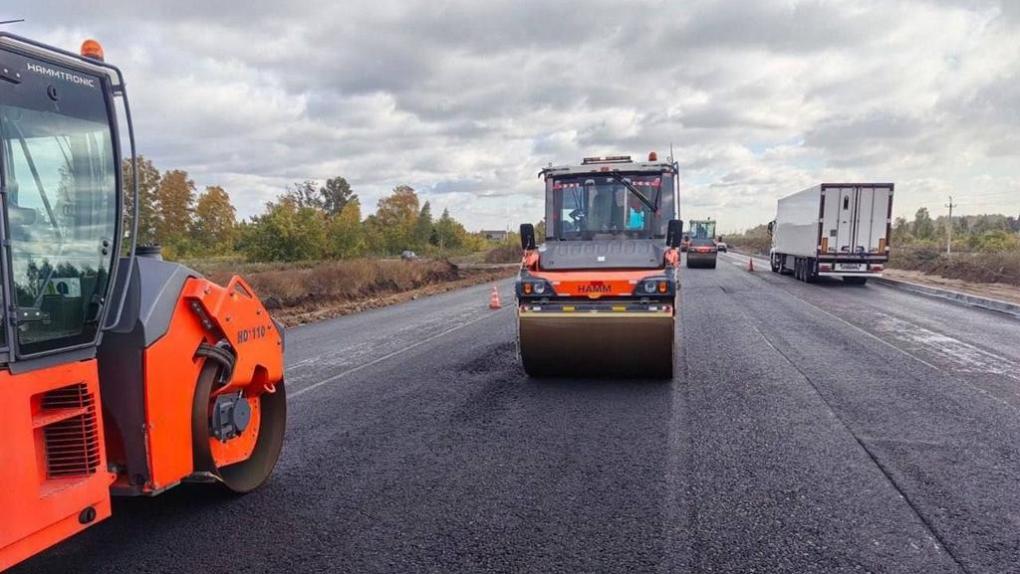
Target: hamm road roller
point(598, 297)
point(702, 249)
point(119, 373)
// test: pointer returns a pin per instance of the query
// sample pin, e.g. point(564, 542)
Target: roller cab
point(598, 297)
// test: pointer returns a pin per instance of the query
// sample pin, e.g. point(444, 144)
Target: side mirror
point(772, 227)
point(674, 231)
point(527, 236)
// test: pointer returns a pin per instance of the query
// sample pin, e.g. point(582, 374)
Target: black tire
point(774, 263)
point(247, 475)
point(810, 271)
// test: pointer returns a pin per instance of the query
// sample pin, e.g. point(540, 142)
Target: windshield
point(604, 207)
point(60, 173)
point(702, 231)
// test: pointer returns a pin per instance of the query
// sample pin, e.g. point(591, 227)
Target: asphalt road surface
point(810, 428)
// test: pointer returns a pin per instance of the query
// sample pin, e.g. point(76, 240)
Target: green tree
point(304, 194)
point(346, 232)
point(286, 232)
point(215, 221)
point(901, 232)
point(451, 234)
point(176, 200)
point(423, 226)
point(148, 188)
point(924, 227)
point(540, 231)
point(336, 194)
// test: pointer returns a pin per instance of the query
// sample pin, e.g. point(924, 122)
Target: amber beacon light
point(92, 49)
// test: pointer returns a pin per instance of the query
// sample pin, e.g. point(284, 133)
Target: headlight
point(652, 286)
point(534, 287)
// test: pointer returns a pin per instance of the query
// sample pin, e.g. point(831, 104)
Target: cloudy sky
point(466, 101)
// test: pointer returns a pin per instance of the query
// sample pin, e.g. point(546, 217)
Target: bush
point(998, 267)
point(324, 282)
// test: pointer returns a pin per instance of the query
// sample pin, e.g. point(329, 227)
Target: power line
point(18, 21)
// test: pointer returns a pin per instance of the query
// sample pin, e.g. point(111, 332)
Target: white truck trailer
point(833, 230)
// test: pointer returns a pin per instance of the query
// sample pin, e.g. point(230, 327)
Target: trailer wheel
point(810, 271)
point(249, 474)
point(774, 263)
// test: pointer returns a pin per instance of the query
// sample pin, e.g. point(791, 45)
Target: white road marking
point(400, 351)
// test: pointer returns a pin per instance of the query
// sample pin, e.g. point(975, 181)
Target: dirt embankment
point(304, 292)
point(1003, 267)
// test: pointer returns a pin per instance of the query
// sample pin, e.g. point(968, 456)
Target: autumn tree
point(396, 216)
point(214, 225)
point(148, 188)
point(175, 200)
point(345, 231)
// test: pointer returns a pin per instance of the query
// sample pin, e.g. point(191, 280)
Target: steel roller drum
point(597, 344)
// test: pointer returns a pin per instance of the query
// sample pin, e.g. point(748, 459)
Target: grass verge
point(297, 293)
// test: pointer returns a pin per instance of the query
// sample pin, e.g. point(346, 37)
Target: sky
point(467, 101)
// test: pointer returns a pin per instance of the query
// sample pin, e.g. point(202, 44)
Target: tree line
point(306, 221)
point(988, 233)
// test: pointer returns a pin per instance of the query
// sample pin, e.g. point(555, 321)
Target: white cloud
point(467, 100)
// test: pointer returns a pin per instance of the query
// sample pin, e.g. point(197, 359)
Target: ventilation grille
point(72, 440)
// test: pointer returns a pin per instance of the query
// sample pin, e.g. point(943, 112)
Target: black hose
point(221, 355)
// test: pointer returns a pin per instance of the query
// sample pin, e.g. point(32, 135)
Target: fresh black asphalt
point(810, 428)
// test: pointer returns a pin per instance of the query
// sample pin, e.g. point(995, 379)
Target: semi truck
point(599, 296)
point(833, 230)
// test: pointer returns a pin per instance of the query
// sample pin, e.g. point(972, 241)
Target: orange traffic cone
point(750, 263)
point(494, 299)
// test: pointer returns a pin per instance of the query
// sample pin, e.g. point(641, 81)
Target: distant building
point(495, 235)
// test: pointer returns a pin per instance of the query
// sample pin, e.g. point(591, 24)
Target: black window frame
point(66, 60)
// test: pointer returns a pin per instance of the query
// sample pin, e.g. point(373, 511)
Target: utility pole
point(949, 242)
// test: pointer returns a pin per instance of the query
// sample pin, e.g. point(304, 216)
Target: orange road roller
point(702, 248)
point(598, 297)
point(120, 373)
